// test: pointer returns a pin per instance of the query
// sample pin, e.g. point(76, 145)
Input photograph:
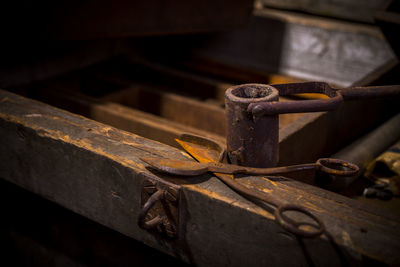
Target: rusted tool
point(251, 141)
point(206, 151)
point(252, 115)
point(330, 166)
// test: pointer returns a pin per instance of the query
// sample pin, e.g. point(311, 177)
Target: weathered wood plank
point(166, 77)
point(363, 11)
point(205, 95)
point(295, 45)
point(94, 170)
point(174, 107)
point(125, 118)
point(56, 236)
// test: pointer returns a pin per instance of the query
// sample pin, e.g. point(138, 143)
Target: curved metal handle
point(299, 106)
point(337, 167)
point(336, 97)
point(150, 224)
point(276, 107)
point(294, 227)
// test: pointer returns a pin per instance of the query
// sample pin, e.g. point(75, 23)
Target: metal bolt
point(171, 195)
point(149, 187)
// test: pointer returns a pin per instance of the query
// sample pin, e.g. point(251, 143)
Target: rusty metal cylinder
point(251, 140)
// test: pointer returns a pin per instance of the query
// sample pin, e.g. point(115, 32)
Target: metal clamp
point(252, 115)
point(276, 107)
point(336, 97)
point(160, 207)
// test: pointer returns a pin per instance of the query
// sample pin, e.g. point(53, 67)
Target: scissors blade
point(177, 167)
point(205, 151)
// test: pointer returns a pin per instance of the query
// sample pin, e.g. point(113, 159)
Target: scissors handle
point(330, 166)
point(336, 167)
point(293, 226)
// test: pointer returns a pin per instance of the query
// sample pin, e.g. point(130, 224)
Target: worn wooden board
point(290, 44)
point(174, 107)
point(363, 11)
point(120, 116)
point(56, 236)
point(94, 170)
point(191, 87)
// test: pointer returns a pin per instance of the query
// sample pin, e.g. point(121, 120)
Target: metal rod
point(366, 148)
point(145, 210)
point(336, 97)
point(370, 92)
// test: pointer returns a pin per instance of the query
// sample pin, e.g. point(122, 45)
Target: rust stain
point(200, 153)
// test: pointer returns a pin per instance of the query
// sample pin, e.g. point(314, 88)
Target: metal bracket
point(160, 207)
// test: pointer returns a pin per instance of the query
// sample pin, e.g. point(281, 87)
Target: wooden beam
point(205, 97)
point(173, 107)
point(132, 70)
point(354, 10)
point(125, 118)
point(177, 108)
point(59, 237)
point(290, 44)
point(94, 170)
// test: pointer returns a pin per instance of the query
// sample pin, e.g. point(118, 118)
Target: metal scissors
point(210, 155)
